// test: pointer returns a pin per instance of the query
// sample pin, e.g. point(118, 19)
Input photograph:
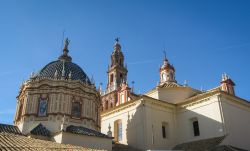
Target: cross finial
point(165, 56)
point(117, 39)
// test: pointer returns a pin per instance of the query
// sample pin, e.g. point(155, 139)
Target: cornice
point(200, 98)
point(145, 100)
point(120, 107)
point(158, 102)
point(73, 86)
point(236, 99)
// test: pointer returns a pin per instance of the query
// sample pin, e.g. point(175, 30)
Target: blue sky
point(203, 39)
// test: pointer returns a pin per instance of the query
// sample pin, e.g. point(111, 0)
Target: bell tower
point(117, 91)
point(167, 71)
point(117, 71)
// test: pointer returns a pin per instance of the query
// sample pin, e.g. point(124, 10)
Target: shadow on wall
point(146, 128)
point(136, 128)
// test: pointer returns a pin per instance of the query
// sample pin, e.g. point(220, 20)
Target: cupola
point(167, 71)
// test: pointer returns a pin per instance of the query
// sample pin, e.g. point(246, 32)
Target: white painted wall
point(133, 129)
point(155, 116)
point(172, 94)
point(209, 118)
point(85, 141)
point(237, 122)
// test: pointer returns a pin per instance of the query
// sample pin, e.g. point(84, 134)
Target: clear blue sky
point(203, 40)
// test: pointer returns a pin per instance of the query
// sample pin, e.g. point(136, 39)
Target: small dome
point(167, 65)
point(66, 69)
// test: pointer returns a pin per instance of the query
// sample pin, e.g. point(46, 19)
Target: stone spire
point(65, 56)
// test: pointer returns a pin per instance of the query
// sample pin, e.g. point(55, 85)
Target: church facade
point(173, 116)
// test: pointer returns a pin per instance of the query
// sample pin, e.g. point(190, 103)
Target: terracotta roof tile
point(9, 129)
point(10, 141)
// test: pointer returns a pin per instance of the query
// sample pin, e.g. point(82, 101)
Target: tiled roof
point(200, 145)
point(9, 129)
point(15, 142)
point(40, 130)
point(85, 131)
point(134, 96)
point(169, 85)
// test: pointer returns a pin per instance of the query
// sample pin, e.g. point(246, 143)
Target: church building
point(61, 104)
point(171, 115)
point(59, 108)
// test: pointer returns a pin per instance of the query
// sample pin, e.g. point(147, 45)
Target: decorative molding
point(120, 108)
point(194, 103)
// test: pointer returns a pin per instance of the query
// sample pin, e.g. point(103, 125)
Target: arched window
point(111, 78)
point(118, 130)
point(122, 98)
point(106, 105)
point(76, 109)
point(42, 108)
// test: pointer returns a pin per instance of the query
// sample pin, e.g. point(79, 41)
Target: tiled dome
point(63, 69)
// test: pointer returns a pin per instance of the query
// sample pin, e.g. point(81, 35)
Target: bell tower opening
point(111, 78)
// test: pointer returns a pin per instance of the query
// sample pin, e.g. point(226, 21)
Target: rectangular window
point(122, 98)
point(42, 108)
point(120, 131)
point(76, 109)
point(196, 128)
point(163, 131)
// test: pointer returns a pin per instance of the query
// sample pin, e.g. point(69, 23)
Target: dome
point(65, 69)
